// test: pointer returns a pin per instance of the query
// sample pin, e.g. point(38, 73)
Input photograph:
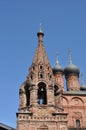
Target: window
point(77, 123)
point(41, 76)
point(31, 77)
point(42, 96)
point(50, 76)
point(41, 67)
point(33, 68)
point(27, 91)
point(56, 88)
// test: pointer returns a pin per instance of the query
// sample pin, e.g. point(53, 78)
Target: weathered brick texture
point(44, 104)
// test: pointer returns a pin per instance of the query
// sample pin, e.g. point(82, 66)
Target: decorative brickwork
point(72, 82)
point(75, 105)
point(44, 105)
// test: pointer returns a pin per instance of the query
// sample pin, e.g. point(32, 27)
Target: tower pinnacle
point(70, 57)
point(57, 62)
point(40, 34)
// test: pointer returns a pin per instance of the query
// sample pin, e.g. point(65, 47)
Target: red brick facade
point(44, 105)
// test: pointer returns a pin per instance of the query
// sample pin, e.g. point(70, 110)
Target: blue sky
point(64, 25)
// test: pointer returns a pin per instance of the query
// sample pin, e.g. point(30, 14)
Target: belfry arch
point(42, 93)
point(27, 92)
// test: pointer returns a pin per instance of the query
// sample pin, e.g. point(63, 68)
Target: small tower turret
point(72, 75)
point(82, 86)
point(58, 73)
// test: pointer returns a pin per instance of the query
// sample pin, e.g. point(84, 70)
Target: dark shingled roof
point(74, 92)
point(5, 127)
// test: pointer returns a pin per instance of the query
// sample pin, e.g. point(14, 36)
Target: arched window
point(77, 123)
point(33, 68)
point(42, 95)
point(56, 88)
point(31, 77)
point(41, 67)
point(41, 75)
point(27, 91)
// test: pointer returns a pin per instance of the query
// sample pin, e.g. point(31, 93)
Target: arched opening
point(41, 67)
point(56, 88)
point(42, 95)
point(77, 123)
point(27, 91)
point(31, 77)
point(41, 75)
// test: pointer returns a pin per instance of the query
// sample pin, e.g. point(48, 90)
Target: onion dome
point(71, 68)
point(57, 67)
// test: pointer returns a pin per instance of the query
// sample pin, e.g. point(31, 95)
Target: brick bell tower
point(40, 95)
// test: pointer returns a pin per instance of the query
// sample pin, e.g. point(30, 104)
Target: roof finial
point(57, 62)
point(82, 79)
point(41, 29)
point(70, 57)
point(57, 67)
